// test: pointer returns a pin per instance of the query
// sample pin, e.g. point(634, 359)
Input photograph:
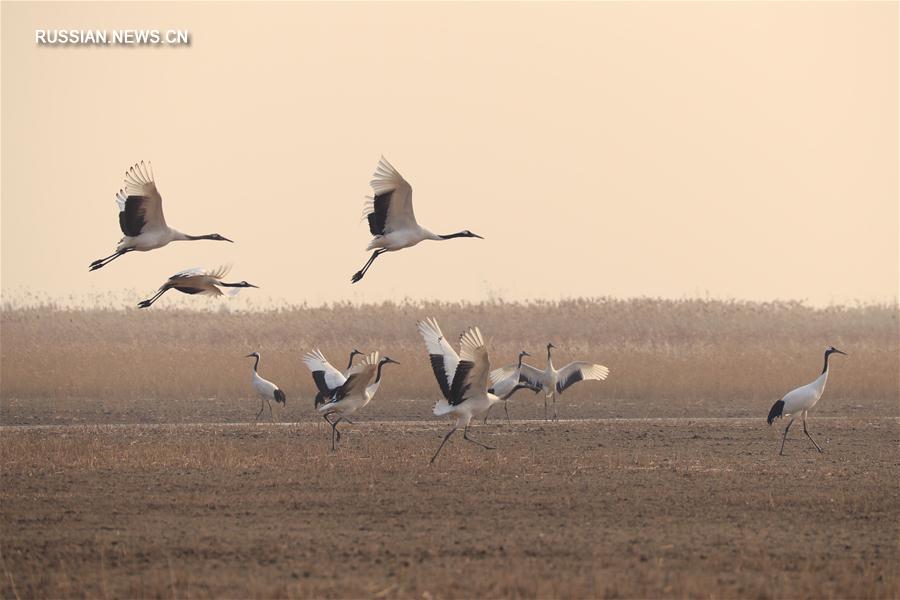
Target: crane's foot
point(357, 277)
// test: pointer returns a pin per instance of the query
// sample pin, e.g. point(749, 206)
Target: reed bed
point(713, 355)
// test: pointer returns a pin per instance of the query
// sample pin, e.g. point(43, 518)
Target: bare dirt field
point(608, 508)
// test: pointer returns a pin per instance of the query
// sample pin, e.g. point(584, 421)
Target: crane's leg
point(262, 407)
point(784, 437)
point(146, 303)
point(361, 273)
point(555, 414)
point(271, 413)
point(487, 413)
point(506, 408)
point(467, 438)
point(811, 437)
point(102, 262)
point(446, 437)
point(545, 408)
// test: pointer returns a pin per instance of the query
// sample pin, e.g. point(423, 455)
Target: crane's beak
point(839, 352)
point(525, 353)
point(478, 236)
point(253, 286)
point(249, 356)
point(227, 240)
point(390, 360)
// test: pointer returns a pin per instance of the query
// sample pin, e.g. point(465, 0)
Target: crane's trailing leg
point(262, 407)
point(271, 412)
point(149, 301)
point(361, 273)
point(784, 437)
point(811, 437)
point(468, 439)
point(506, 408)
point(446, 437)
point(555, 414)
point(102, 262)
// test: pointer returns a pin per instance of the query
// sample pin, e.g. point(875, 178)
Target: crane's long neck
point(256, 364)
point(519, 366)
point(185, 237)
point(378, 373)
point(549, 359)
point(350, 362)
point(825, 366)
point(450, 236)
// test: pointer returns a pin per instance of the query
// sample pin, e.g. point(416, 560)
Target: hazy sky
point(743, 150)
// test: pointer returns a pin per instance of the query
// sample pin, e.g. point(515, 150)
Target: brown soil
point(608, 508)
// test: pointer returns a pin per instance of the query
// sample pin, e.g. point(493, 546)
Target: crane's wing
point(327, 378)
point(574, 372)
point(471, 375)
point(192, 272)
point(391, 208)
point(358, 377)
point(140, 205)
point(444, 359)
point(527, 374)
point(219, 272)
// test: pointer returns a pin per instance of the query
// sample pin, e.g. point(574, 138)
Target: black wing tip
point(776, 411)
point(279, 396)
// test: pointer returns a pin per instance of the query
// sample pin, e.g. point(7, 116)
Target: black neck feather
point(378, 373)
point(453, 235)
point(827, 354)
point(256, 364)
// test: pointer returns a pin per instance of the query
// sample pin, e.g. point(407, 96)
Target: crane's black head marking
point(523, 353)
point(388, 359)
point(831, 349)
point(245, 284)
point(550, 345)
point(252, 355)
point(218, 238)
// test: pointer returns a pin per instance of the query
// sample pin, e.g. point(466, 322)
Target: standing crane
point(141, 217)
point(799, 401)
point(267, 390)
point(463, 378)
point(345, 395)
point(198, 281)
point(391, 218)
point(550, 380)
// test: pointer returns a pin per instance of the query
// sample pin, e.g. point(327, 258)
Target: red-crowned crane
point(267, 390)
point(141, 217)
point(798, 402)
point(391, 218)
point(198, 281)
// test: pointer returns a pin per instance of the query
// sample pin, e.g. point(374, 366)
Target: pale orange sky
point(745, 150)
